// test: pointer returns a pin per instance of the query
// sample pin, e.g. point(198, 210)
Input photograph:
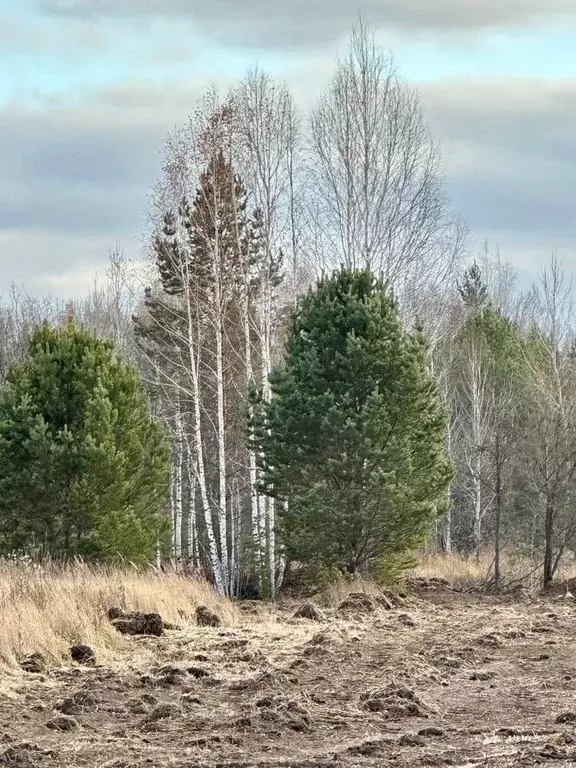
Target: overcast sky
point(89, 89)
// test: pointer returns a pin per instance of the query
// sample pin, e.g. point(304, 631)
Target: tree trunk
point(498, 522)
point(222, 490)
point(477, 513)
point(178, 506)
point(269, 510)
point(199, 469)
point(192, 534)
point(549, 543)
point(256, 524)
point(448, 533)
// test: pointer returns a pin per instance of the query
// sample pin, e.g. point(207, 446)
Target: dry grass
point(49, 608)
point(337, 592)
point(454, 568)
point(458, 569)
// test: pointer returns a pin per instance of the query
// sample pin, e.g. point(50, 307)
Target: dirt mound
point(34, 663)
point(491, 640)
point(394, 702)
point(207, 618)
point(83, 654)
point(80, 702)
point(309, 611)
point(62, 723)
point(24, 755)
point(566, 717)
point(161, 712)
point(434, 583)
point(198, 672)
point(167, 675)
point(390, 598)
point(328, 637)
point(358, 602)
point(285, 712)
point(136, 623)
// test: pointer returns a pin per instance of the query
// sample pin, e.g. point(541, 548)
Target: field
point(442, 678)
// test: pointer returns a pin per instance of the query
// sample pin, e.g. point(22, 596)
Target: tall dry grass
point(339, 590)
point(516, 567)
point(48, 608)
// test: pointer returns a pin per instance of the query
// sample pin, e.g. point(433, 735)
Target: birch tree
point(269, 136)
point(376, 174)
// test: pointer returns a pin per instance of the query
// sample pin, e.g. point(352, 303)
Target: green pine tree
point(473, 290)
point(352, 444)
point(83, 464)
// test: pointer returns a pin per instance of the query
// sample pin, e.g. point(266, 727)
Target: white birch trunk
point(178, 506)
point(173, 503)
point(477, 512)
point(219, 581)
point(235, 539)
point(252, 465)
point(265, 344)
point(222, 503)
point(218, 308)
point(191, 531)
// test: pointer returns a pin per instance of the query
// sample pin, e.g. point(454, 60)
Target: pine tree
point(83, 462)
point(473, 290)
point(352, 443)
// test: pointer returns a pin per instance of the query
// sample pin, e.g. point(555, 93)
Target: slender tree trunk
point(227, 567)
point(448, 533)
point(269, 510)
point(252, 464)
point(498, 521)
point(199, 469)
point(549, 542)
point(192, 534)
point(178, 505)
point(477, 513)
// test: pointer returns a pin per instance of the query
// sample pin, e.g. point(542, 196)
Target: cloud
point(269, 23)
point(77, 177)
point(506, 147)
point(45, 261)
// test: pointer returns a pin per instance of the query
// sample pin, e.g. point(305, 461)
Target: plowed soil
point(443, 679)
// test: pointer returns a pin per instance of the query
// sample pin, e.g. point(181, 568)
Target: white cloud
point(267, 23)
point(78, 177)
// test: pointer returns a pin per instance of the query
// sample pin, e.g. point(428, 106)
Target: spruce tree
point(473, 290)
point(83, 464)
point(352, 443)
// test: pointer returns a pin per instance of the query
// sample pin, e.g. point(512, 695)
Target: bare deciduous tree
point(376, 174)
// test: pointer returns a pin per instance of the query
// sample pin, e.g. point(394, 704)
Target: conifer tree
point(473, 290)
point(84, 465)
point(352, 443)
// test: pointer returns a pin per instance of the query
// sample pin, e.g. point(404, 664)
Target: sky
point(89, 89)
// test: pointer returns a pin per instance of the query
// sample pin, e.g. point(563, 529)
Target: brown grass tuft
point(461, 570)
point(48, 608)
point(337, 592)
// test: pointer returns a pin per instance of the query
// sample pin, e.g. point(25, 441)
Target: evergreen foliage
point(352, 443)
point(473, 290)
point(84, 465)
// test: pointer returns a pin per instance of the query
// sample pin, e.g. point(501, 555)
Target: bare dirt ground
point(443, 679)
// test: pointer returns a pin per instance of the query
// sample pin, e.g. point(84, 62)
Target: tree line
point(287, 254)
